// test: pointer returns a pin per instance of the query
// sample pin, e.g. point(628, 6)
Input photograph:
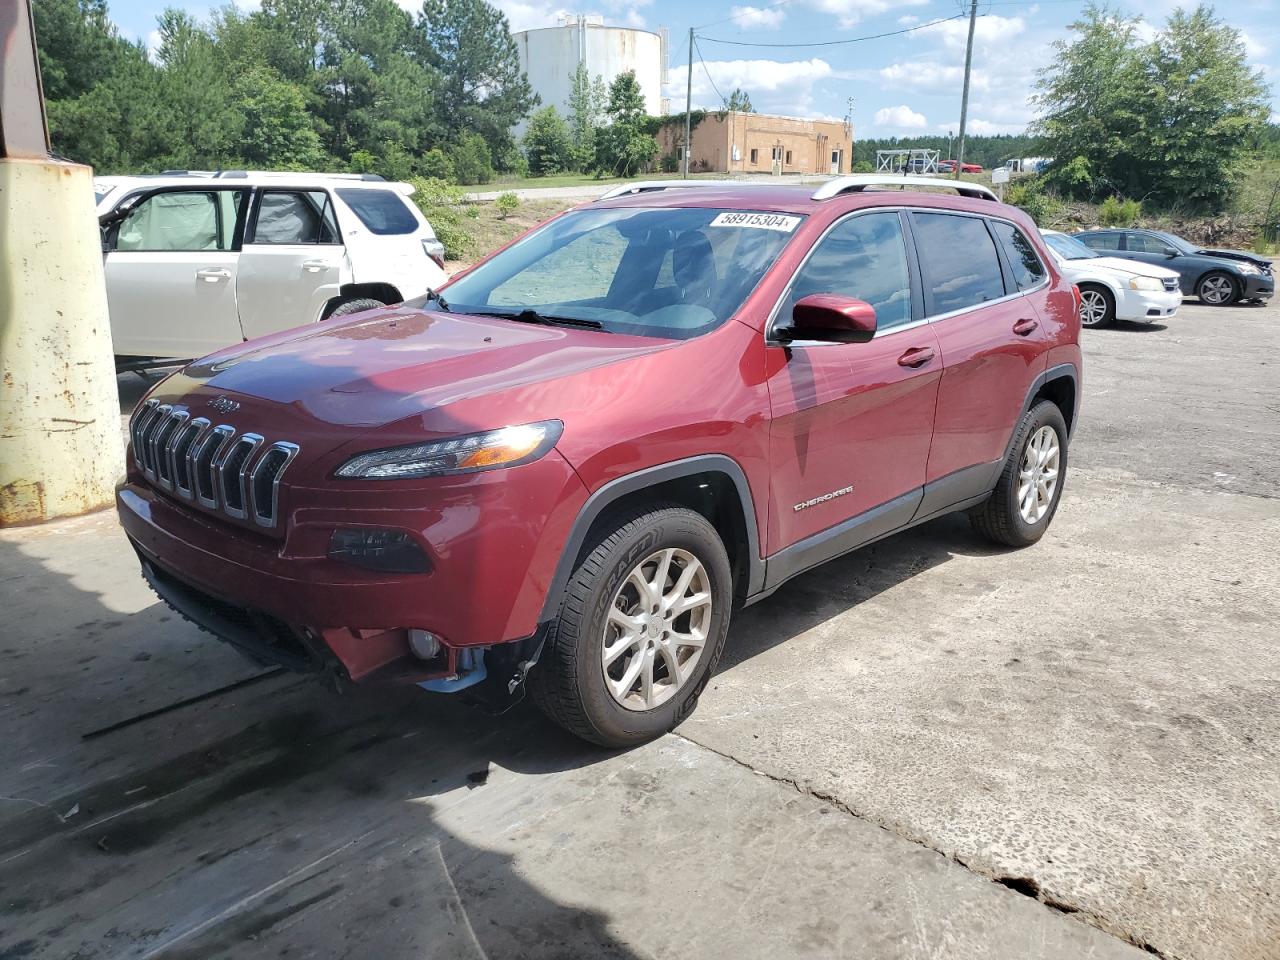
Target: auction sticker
point(760, 221)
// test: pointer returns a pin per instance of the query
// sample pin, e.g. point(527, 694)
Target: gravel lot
point(927, 749)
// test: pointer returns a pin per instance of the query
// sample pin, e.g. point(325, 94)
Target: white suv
point(196, 261)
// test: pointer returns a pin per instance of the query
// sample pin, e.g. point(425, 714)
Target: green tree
point(1166, 120)
point(586, 113)
point(481, 88)
point(277, 130)
point(548, 143)
point(625, 146)
point(1204, 103)
point(739, 101)
point(471, 159)
point(205, 123)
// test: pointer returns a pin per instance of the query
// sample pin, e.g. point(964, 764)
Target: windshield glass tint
point(652, 272)
point(1068, 247)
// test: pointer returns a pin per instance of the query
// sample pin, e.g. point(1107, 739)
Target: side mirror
point(833, 318)
point(1170, 253)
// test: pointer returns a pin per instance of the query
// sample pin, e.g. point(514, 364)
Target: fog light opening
point(389, 551)
point(424, 644)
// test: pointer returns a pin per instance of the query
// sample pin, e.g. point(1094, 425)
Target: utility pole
point(688, 106)
point(964, 101)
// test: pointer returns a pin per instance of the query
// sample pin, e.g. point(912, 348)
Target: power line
point(702, 60)
point(836, 43)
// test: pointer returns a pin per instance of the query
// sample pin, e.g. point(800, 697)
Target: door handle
point(213, 276)
point(315, 266)
point(916, 357)
point(1024, 327)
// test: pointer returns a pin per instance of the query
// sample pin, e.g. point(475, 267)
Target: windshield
point(1068, 248)
point(664, 272)
point(1177, 243)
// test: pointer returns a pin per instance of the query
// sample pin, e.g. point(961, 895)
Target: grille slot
point(149, 430)
point(233, 473)
point(183, 441)
point(207, 462)
point(161, 442)
point(264, 481)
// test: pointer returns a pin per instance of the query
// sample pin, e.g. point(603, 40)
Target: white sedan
point(1111, 288)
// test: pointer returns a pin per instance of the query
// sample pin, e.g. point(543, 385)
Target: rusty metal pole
point(61, 450)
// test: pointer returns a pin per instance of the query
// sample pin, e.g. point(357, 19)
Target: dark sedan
point(1217, 277)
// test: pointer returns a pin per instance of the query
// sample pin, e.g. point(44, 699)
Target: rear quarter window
point(383, 212)
point(1023, 259)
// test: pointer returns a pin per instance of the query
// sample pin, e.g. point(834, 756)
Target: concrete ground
point(927, 749)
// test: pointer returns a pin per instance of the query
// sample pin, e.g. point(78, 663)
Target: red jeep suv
point(571, 464)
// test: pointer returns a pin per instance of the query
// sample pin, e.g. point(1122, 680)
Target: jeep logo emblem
point(224, 404)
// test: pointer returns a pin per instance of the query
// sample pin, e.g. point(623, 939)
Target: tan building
point(752, 142)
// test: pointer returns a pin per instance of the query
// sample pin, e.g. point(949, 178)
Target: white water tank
point(550, 55)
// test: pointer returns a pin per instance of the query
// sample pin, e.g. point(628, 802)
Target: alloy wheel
point(1093, 308)
point(656, 630)
point(1216, 289)
point(1038, 478)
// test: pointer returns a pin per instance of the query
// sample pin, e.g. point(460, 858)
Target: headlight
point(1245, 267)
point(1145, 283)
point(492, 450)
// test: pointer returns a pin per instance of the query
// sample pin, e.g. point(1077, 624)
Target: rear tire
point(358, 305)
point(1024, 502)
point(612, 633)
point(1218, 289)
point(1097, 307)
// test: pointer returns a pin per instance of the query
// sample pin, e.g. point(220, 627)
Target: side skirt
point(957, 491)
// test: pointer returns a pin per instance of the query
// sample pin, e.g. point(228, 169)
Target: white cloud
point(931, 76)
point(782, 87)
point(989, 31)
point(900, 118)
point(982, 128)
point(849, 12)
point(768, 18)
point(1254, 50)
point(909, 20)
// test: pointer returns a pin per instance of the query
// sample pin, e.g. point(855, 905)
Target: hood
point(379, 367)
point(1239, 255)
point(1129, 267)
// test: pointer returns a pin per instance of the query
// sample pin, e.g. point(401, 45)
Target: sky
point(903, 85)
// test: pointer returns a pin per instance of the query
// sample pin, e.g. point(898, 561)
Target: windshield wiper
point(441, 302)
point(533, 316)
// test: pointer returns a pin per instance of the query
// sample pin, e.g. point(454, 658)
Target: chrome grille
point(1171, 283)
point(210, 465)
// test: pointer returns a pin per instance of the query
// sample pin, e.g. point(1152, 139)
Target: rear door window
point(383, 211)
point(1102, 241)
point(1025, 263)
point(295, 216)
point(863, 257)
point(1144, 243)
point(959, 261)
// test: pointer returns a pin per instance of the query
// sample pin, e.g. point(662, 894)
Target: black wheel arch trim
point(613, 491)
point(1059, 371)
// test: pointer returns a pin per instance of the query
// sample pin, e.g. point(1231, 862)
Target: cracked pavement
point(926, 749)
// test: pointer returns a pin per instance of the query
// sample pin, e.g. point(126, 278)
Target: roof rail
point(833, 188)
point(649, 186)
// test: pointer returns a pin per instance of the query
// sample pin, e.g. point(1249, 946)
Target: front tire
point(640, 630)
point(358, 305)
point(1026, 496)
point(1218, 289)
point(1097, 307)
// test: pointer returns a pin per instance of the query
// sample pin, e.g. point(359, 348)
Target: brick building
point(752, 142)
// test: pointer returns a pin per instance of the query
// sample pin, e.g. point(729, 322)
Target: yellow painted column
point(61, 448)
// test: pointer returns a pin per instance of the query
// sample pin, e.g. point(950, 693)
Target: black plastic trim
point(840, 539)
point(615, 490)
point(962, 486)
